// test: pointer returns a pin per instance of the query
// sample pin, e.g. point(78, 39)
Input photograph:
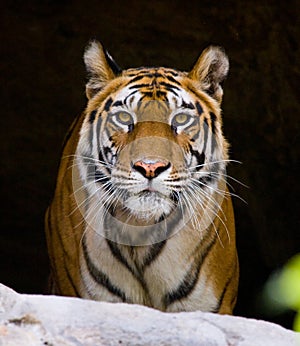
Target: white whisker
point(203, 207)
point(223, 175)
point(213, 162)
point(107, 164)
point(212, 209)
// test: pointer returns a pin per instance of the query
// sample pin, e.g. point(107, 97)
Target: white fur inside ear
point(98, 68)
point(217, 63)
point(92, 55)
point(210, 70)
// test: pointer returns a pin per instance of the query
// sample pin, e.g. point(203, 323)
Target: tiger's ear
point(100, 66)
point(210, 70)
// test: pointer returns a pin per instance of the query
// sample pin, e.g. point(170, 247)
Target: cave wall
point(42, 91)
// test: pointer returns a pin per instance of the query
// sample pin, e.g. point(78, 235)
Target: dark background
point(42, 90)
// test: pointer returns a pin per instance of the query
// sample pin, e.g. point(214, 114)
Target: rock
point(33, 320)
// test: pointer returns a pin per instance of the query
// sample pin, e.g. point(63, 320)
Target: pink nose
point(151, 169)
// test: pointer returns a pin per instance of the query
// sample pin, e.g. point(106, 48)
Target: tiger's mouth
point(149, 192)
point(152, 193)
point(150, 204)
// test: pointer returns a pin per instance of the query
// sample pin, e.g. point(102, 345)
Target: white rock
point(32, 320)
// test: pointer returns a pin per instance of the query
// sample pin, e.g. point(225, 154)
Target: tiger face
point(151, 148)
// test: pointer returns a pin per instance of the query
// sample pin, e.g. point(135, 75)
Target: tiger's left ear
point(210, 70)
point(100, 66)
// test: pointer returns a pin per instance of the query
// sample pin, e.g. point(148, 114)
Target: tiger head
point(151, 141)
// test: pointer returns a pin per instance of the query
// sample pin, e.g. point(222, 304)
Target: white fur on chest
point(147, 284)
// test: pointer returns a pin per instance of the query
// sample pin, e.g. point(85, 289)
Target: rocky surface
point(33, 320)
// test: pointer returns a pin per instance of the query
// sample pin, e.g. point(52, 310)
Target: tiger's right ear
point(100, 66)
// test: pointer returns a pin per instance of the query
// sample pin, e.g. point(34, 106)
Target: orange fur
point(196, 267)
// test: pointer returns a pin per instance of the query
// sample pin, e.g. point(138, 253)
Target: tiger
point(141, 212)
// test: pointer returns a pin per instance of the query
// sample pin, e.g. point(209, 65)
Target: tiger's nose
point(150, 168)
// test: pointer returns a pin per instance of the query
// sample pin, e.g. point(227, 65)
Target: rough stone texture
point(33, 320)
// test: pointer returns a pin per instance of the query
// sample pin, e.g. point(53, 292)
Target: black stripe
point(112, 64)
point(128, 96)
point(188, 283)
point(153, 253)
point(118, 255)
point(173, 92)
point(98, 126)
point(200, 157)
point(65, 266)
point(100, 177)
point(210, 176)
point(71, 279)
point(92, 116)
point(50, 231)
point(94, 174)
point(154, 75)
point(101, 158)
point(91, 131)
point(209, 246)
point(220, 301)
point(184, 289)
point(108, 150)
point(142, 85)
point(172, 72)
point(213, 119)
point(161, 94)
point(173, 80)
point(205, 129)
point(187, 105)
point(108, 103)
point(141, 69)
point(117, 103)
point(146, 72)
point(199, 108)
point(138, 273)
point(169, 86)
point(158, 93)
point(206, 180)
point(135, 79)
point(99, 276)
point(146, 94)
point(130, 128)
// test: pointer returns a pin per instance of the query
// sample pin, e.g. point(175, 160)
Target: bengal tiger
point(141, 212)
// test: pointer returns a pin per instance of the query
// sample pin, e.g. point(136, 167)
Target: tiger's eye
point(181, 119)
point(124, 118)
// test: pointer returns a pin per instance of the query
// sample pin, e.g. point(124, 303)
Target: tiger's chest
point(164, 275)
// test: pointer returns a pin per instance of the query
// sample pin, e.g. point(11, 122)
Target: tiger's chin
point(149, 207)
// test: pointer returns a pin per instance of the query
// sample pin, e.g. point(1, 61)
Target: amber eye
point(124, 118)
point(180, 119)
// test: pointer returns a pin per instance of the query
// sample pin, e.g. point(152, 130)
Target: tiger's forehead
point(168, 91)
point(154, 83)
point(153, 72)
point(165, 86)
